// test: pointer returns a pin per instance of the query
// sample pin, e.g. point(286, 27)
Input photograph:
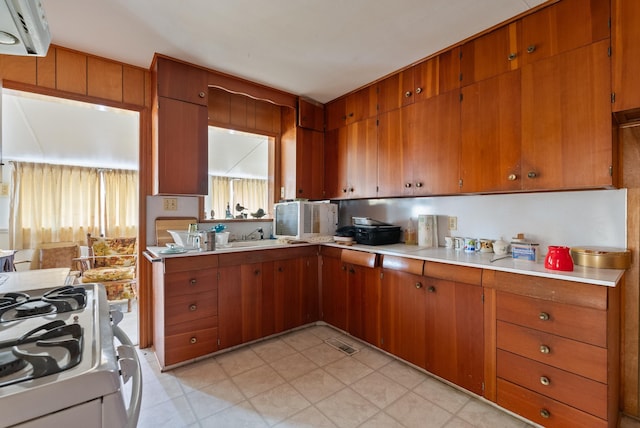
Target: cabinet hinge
point(460, 54)
point(483, 386)
point(460, 77)
point(377, 122)
point(460, 183)
point(461, 96)
point(382, 340)
point(218, 342)
point(482, 297)
point(610, 170)
point(609, 51)
point(613, 97)
point(381, 275)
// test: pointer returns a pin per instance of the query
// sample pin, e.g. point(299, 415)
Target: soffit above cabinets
point(319, 49)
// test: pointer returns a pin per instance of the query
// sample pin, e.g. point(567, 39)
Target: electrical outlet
point(453, 223)
point(170, 204)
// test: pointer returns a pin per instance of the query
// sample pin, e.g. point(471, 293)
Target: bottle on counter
point(410, 234)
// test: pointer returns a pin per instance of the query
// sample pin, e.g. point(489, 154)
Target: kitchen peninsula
point(511, 331)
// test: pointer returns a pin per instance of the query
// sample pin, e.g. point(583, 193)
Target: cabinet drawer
point(533, 406)
point(190, 307)
point(575, 322)
point(566, 354)
point(193, 282)
point(182, 347)
point(577, 391)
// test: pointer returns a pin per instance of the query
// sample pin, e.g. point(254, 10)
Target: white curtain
point(248, 192)
point(55, 203)
point(120, 203)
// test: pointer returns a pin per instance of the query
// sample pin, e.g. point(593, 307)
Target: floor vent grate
point(341, 346)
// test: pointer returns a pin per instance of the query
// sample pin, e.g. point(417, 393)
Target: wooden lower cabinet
point(554, 349)
point(334, 289)
point(434, 322)
point(185, 291)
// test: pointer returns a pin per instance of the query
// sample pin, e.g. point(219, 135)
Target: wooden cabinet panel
point(437, 75)
point(71, 72)
point(566, 354)
point(335, 163)
point(490, 55)
point(334, 291)
point(335, 113)
point(104, 79)
point(133, 85)
point(21, 69)
point(576, 391)
point(432, 145)
point(403, 316)
point(363, 308)
point(46, 75)
point(190, 282)
point(491, 135)
point(288, 294)
point(566, 145)
point(584, 324)
point(190, 307)
point(362, 159)
point(396, 90)
point(454, 332)
point(543, 410)
point(625, 33)
point(181, 81)
point(180, 157)
point(561, 27)
point(310, 164)
point(310, 115)
point(309, 279)
point(394, 167)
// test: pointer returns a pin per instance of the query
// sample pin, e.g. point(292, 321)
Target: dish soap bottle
point(410, 234)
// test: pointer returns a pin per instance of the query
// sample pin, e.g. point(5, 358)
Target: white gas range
point(59, 365)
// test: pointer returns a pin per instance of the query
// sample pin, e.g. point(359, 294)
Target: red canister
point(558, 258)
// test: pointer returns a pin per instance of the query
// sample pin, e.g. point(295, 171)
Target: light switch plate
point(170, 204)
point(453, 223)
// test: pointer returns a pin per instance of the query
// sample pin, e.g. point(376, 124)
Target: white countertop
point(32, 279)
point(606, 277)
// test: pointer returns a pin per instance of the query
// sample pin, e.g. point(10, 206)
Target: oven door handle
point(133, 411)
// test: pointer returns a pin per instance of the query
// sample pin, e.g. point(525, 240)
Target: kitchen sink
point(254, 243)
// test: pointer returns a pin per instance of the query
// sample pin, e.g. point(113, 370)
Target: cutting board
point(171, 223)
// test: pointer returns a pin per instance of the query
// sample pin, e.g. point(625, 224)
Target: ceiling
point(319, 49)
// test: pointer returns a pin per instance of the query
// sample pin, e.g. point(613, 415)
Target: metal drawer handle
point(545, 380)
point(545, 349)
point(418, 184)
point(545, 413)
point(193, 340)
point(418, 90)
point(193, 281)
point(201, 94)
point(544, 316)
point(407, 185)
point(531, 48)
point(512, 56)
point(407, 94)
point(418, 285)
point(193, 308)
point(431, 289)
point(512, 177)
point(532, 174)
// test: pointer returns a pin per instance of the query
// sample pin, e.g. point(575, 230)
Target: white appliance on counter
point(59, 365)
point(304, 219)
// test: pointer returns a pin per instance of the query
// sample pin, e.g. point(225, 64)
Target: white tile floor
point(297, 380)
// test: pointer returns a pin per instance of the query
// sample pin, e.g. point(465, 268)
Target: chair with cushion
point(111, 262)
point(49, 255)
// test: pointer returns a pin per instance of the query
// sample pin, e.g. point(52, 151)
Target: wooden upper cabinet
point(180, 160)
point(566, 121)
point(309, 164)
point(625, 53)
point(310, 115)
point(490, 55)
point(335, 113)
point(352, 108)
point(490, 139)
point(181, 81)
point(335, 163)
point(393, 165)
point(396, 90)
point(561, 27)
point(437, 75)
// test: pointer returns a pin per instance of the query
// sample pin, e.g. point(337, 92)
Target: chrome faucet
point(259, 230)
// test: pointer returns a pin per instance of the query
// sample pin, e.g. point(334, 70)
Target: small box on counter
point(524, 251)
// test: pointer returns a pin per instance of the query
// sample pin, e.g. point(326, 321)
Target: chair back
point(55, 255)
point(108, 252)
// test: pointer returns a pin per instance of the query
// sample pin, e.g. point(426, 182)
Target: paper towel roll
point(427, 230)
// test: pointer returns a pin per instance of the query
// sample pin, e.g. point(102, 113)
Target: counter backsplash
point(580, 218)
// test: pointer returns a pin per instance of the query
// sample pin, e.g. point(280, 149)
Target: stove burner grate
point(32, 308)
point(10, 364)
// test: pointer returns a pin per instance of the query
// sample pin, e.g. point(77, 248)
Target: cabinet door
point(490, 55)
point(403, 316)
point(490, 139)
point(335, 114)
point(362, 159)
point(562, 27)
point(454, 331)
point(626, 49)
point(181, 148)
point(394, 167)
point(310, 115)
point(181, 81)
point(309, 164)
point(432, 145)
point(335, 164)
point(361, 104)
point(288, 301)
point(229, 307)
point(310, 291)
point(334, 292)
point(437, 75)
point(566, 121)
point(396, 90)
point(363, 310)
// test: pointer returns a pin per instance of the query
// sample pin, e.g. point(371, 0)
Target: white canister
point(427, 230)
